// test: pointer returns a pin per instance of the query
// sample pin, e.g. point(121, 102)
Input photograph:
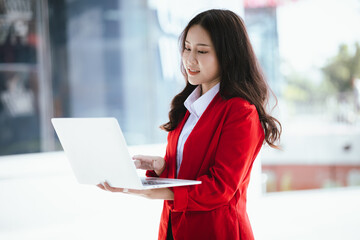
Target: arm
point(160, 193)
point(239, 143)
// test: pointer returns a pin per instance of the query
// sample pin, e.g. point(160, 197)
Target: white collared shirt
point(196, 105)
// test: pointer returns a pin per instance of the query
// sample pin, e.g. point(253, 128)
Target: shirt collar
point(197, 104)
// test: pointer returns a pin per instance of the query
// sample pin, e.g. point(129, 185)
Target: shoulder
point(240, 107)
point(239, 102)
point(240, 119)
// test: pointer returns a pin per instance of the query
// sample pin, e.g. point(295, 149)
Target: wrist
point(165, 194)
point(160, 171)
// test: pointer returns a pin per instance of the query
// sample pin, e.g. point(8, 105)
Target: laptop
point(97, 152)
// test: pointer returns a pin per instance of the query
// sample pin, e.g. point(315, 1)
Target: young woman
point(217, 126)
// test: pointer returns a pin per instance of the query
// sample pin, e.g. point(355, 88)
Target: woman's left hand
point(157, 193)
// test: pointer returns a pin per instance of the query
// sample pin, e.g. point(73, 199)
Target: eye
point(202, 52)
point(186, 49)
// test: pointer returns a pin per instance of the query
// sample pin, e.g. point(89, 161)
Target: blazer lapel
point(173, 141)
point(197, 143)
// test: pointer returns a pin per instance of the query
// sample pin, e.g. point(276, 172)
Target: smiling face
point(199, 59)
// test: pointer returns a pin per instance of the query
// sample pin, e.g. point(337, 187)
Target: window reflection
point(19, 112)
point(319, 67)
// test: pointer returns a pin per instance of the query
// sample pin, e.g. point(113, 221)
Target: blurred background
point(117, 58)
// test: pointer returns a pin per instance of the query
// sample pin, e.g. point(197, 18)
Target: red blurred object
point(33, 39)
point(301, 177)
point(265, 3)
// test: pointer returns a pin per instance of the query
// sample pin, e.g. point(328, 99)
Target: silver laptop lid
point(97, 151)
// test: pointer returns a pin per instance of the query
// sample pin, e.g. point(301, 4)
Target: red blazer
point(219, 152)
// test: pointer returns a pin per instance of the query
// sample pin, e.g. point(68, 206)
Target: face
point(199, 59)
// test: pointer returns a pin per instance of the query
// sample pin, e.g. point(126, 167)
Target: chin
point(194, 83)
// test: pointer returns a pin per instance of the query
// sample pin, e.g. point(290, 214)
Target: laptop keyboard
point(153, 182)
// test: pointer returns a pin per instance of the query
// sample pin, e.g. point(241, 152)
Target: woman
point(217, 126)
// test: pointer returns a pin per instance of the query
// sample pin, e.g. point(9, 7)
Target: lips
point(192, 72)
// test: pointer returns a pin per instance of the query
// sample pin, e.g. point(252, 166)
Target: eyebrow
point(199, 44)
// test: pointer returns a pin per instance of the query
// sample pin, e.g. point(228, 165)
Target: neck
point(204, 88)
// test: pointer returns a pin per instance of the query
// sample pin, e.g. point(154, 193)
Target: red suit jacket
point(219, 152)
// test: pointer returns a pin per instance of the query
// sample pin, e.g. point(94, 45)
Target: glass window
point(90, 58)
point(310, 53)
point(19, 78)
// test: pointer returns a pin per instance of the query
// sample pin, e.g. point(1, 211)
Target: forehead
point(198, 35)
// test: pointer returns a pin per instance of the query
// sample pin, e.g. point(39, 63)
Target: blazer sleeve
point(240, 141)
point(152, 173)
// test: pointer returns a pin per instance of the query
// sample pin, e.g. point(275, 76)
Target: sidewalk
point(307, 215)
point(40, 199)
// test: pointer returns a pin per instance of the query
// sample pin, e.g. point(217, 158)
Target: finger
point(143, 158)
point(140, 156)
point(137, 163)
point(144, 164)
point(112, 189)
point(107, 187)
point(101, 186)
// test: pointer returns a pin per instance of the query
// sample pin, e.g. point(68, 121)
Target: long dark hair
point(240, 72)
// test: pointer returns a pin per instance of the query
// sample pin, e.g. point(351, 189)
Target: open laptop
point(97, 151)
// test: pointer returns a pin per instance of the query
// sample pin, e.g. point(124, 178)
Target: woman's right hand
point(150, 163)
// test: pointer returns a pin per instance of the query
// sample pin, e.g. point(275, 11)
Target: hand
point(159, 193)
point(150, 163)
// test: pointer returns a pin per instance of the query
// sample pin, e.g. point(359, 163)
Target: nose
point(191, 58)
